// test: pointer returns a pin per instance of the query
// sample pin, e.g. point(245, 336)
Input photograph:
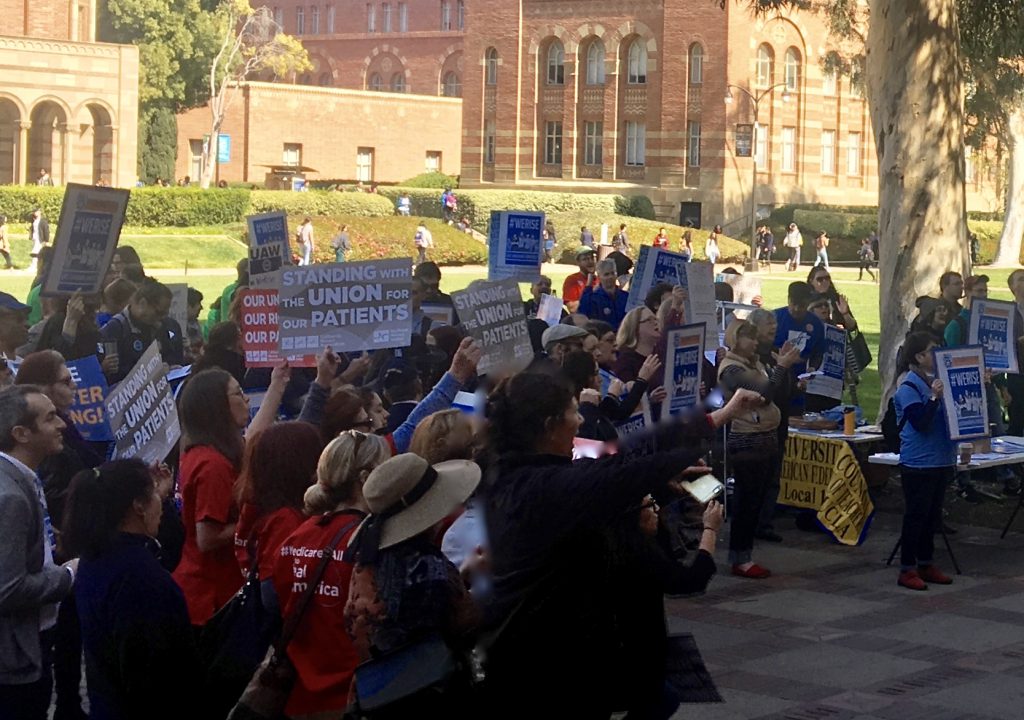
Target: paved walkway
point(832, 637)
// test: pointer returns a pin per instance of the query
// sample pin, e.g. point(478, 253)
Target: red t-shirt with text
point(270, 531)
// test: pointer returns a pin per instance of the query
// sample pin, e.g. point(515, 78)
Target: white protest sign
point(700, 307)
point(142, 412)
point(745, 290)
point(87, 233)
point(269, 248)
point(492, 313)
point(179, 304)
point(549, 309)
point(349, 306)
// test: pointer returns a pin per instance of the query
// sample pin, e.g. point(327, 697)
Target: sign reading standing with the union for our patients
point(991, 326)
point(269, 248)
point(142, 412)
point(349, 306)
point(515, 243)
point(492, 313)
point(87, 234)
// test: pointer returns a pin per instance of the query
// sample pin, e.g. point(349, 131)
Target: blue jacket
point(598, 305)
point(924, 437)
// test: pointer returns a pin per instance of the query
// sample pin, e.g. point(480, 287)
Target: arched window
point(451, 86)
point(325, 79)
point(398, 82)
point(376, 82)
point(637, 63)
point(792, 69)
point(765, 66)
point(556, 63)
point(595, 63)
point(696, 64)
point(491, 63)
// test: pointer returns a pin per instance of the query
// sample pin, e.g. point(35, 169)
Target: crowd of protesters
point(418, 525)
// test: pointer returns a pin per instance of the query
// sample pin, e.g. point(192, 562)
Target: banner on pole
point(87, 233)
point(492, 313)
point(142, 412)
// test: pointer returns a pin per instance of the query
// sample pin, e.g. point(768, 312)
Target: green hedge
point(436, 180)
point(320, 202)
point(183, 207)
point(18, 201)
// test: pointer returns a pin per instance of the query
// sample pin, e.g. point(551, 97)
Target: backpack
point(891, 429)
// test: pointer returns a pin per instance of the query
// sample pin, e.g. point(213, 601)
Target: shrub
point(186, 206)
point(436, 180)
point(320, 202)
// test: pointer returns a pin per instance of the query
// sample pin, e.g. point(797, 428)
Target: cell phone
point(705, 488)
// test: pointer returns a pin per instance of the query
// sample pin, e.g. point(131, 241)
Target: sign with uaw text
point(88, 411)
point(260, 334)
point(492, 313)
point(269, 248)
point(349, 306)
point(962, 372)
point(142, 412)
point(991, 326)
point(824, 475)
point(515, 245)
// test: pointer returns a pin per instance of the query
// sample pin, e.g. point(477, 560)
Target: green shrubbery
point(18, 201)
point(436, 180)
point(320, 202)
point(185, 206)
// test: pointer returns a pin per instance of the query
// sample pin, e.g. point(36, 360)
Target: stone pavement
point(832, 637)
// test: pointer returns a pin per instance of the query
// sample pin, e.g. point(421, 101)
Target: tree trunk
point(1008, 253)
point(914, 93)
point(210, 152)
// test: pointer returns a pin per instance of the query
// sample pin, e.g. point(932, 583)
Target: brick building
point(340, 134)
point(67, 103)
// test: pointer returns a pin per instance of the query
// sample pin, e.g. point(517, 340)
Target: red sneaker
point(911, 580)
point(930, 573)
point(754, 572)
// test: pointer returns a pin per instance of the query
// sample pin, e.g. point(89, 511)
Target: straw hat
point(407, 496)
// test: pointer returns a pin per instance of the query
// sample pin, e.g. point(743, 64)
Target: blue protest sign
point(991, 326)
point(961, 370)
point(88, 412)
point(683, 361)
point(269, 248)
point(828, 381)
point(515, 245)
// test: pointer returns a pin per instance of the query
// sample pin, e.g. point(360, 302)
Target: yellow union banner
point(824, 475)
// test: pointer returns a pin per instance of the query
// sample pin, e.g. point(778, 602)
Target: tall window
point(371, 17)
point(593, 150)
point(792, 69)
point(637, 63)
point(451, 86)
point(595, 63)
point(279, 17)
point(314, 20)
point(765, 66)
point(300, 20)
point(376, 82)
point(433, 163)
point(857, 79)
point(364, 164)
point(789, 149)
point(970, 171)
point(491, 66)
point(386, 18)
point(693, 146)
point(636, 143)
point(330, 18)
point(853, 154)
point(490, 133)
point(553, 142)
point(403, 17)
point(556, 63)
point(828, 84)
point(398, 82)
point(291, 154)
point(761, 147)
point(696, 64)
point(446, 15)
point(828, 152)
point(461, 14)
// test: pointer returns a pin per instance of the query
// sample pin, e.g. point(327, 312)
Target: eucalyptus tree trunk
point(914, 89)
point(1008, 252)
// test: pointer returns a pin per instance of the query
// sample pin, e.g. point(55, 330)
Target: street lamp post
point(756, 101)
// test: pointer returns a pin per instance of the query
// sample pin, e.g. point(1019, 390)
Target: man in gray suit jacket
point(31, 585)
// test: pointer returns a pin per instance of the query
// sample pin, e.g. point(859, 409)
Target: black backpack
point(890, 428)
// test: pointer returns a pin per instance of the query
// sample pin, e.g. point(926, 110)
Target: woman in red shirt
point(213, 411)
point(321, 650)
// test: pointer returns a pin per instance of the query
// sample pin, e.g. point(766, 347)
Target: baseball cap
point(558, 333)
point(584, 250)
point(9, 302)
point(973, 280)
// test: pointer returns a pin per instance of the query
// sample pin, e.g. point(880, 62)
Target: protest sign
point(746, 290)
point(684, 350)
point(439, 314)
point(142, 412)
point(349, 306)
point(639, 421)
point(961, 370)
point(991, 326)
point(260, 334)
point(550, 309)
point(492, 313)
point(653, 266)
point(828, 381)
point(824, 475)
point(269, 248)
point(179, 304)
point(700, 307)
point(88, 412)
point(515, 245)
point(90, 224)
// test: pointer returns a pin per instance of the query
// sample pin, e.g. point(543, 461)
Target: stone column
point(21, 153)
point(115, 179)
point(65, 154)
